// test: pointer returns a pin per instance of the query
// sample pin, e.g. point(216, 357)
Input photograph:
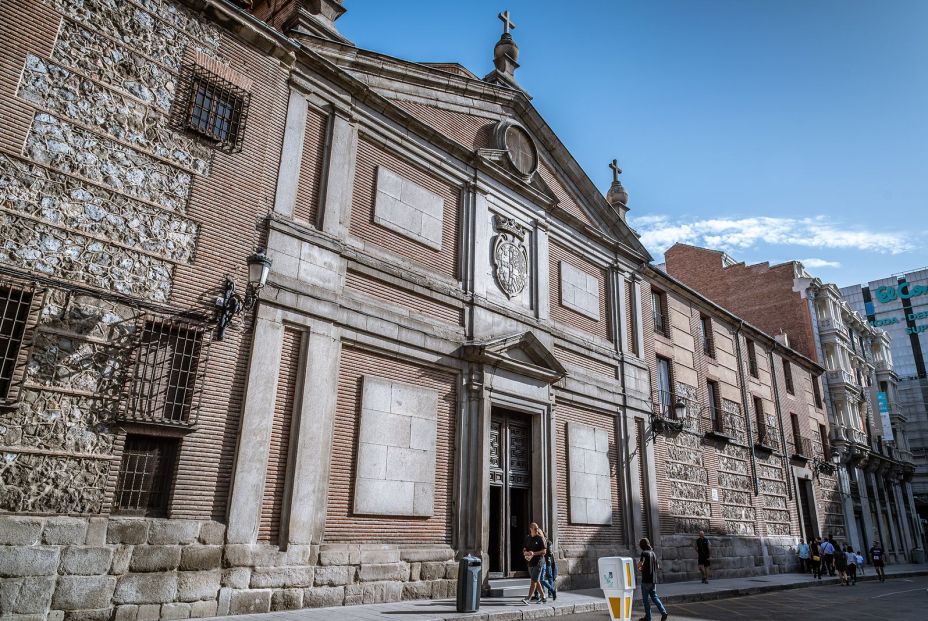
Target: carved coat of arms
point(510, 258)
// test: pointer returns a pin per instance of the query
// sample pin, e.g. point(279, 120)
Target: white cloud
point(660, 232)
point(813, 263)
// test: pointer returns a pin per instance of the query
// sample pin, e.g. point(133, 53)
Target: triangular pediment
point(520, 353)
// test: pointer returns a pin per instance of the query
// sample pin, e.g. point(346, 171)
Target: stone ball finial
point(617, 194)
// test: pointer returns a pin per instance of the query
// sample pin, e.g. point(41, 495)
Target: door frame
point(504, 519)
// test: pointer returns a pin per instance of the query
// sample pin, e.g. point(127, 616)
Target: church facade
point(454, 334)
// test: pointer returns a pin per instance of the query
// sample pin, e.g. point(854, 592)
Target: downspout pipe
point(790, 488)
point(742, 384)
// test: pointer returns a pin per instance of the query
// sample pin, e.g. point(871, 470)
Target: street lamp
point(230, 303)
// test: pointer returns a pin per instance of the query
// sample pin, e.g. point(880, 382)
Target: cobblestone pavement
point(897, 599)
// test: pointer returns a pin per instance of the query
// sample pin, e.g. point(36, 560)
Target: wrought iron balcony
point(828, 324)
point(802, 448)
point(766, 438)
point(660, 324)
point(718, 423)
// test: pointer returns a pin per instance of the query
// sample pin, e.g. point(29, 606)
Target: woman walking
point(648, 567)
point(840, 561)
point(815, 556)
point(533, 550)
point(851, 564)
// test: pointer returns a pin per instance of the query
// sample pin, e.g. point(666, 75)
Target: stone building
point(877, 464)
point(898, 305)
point(741, 439)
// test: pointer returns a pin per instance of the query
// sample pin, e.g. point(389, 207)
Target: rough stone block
point(299, 555)
point(196, 558)
point(133, 532)
point(334, 557)
point(149, 612)
point(197, 585)
point(55, 615)
point(85, 560)
point(121, 557)
point(96, 531)
point(390, 571)
point(100, 614)
point(165, 532)
point(154, 558)
point(417, 590)
point(238, 555)
point(415, 572)
point(287, 599)
point(322, 597)
point(18, 561)
point(250, 602)
point(83, 592)
point(212, 533)
point(334, 576)
point(128, 612)
point(176, 610)
point(64, 531)
point(199, 610)
point(426, 554)
point(146, 589)
point(19, 531)
point(236, 577)
point(380, 555)
point(30, 595)
point(432, 571)
point(281, 577)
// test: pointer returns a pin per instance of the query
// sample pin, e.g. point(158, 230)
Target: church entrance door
point(510, 491)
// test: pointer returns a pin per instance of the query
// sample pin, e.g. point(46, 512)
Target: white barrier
point(617, 580)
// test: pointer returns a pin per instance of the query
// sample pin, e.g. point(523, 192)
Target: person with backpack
point(649, 566)
point(828, 557)
point(877, 557)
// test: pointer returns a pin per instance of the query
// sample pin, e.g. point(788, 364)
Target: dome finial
point(617, 196)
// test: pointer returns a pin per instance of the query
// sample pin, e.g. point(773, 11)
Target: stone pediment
point(519, 353)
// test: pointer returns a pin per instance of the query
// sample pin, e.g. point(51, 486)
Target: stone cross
point(616, 171)
point(507, 24)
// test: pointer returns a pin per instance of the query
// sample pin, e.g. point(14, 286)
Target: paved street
point(899, 599)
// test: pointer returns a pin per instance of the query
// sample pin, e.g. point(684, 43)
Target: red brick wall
point(370, 155)
point(342, 526)
point(310, 183)
point(566, 315)
point(760, 294)
point(564, 196)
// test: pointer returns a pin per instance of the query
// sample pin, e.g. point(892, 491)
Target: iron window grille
point(18, 317)
point(212, 107)
point(708, 347)
point(145, 476)
point(658, 311)
point(752, 359)
point(168, 363)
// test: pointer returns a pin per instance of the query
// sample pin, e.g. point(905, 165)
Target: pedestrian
point(804, 557)
point(840, 560)
point(815, 551)
point(860, 564)
point(702, 556)
point(649, 566)
point(851, 565)
point(877, 557)
point(549, 577)
point(534, 550)
point(828, 556)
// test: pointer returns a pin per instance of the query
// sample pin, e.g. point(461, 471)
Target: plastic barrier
point(617, 580)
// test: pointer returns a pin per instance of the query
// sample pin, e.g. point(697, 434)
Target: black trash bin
point(469, 580)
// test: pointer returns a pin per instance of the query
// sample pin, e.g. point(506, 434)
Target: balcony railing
point(766, 437)
point(802, 448)
point(719, 423)
point(840, 377)
point(883, 366)
point(660, 323)
point(828, 324)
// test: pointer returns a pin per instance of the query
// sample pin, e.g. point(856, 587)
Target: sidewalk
point(568, 602)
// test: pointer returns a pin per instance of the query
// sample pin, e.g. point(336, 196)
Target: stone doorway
point(809, 518)
point(510, 510)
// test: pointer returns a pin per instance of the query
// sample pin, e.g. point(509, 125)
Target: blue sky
point(774, 130)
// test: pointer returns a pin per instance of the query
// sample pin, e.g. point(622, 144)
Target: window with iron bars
point(788, 377)
point(166, 378)
point(15, 308)
point(705, 329)
point(752, 358)
point(146, 474)
point(716, 417)
point(816, 392)
point(658, 312)
point(213, 107)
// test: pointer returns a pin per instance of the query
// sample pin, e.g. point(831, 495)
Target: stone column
point(339, 184)
point(869, 536)
point(291, 155)
point(543, 271)
point(255, 433)
point(908, 540)
point(638, 334)
point(313, 437)
point(472, 509)
point(622, 343)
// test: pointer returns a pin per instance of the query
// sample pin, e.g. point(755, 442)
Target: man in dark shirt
point(878, 557)
point(702, 556)
point(648, 566)
point(534, 549)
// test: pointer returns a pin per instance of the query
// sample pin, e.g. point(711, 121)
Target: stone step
point(508, 587)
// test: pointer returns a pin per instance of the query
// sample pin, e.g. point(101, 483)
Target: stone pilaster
point(339, 184)
point(255, 432)
point(291, 155)
point(543, 272)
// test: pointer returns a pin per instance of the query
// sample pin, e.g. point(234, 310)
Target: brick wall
point(760, 294)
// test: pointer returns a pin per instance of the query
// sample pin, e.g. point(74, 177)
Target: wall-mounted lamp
point(230, 303)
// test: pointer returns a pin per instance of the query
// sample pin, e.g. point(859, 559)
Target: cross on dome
point(507, 23)
point(616, 171)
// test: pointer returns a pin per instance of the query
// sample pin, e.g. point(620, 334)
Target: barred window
point(145, 476)
point(15, 304)
point(166, 380)
point(215, 108)
point(788, 377)
point(752, 358)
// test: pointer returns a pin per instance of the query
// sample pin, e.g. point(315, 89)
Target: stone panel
point(589, 482)
point(52, 484)
point(74, 150)
point(408, 209)
point(396, 451)
point(579, 291)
